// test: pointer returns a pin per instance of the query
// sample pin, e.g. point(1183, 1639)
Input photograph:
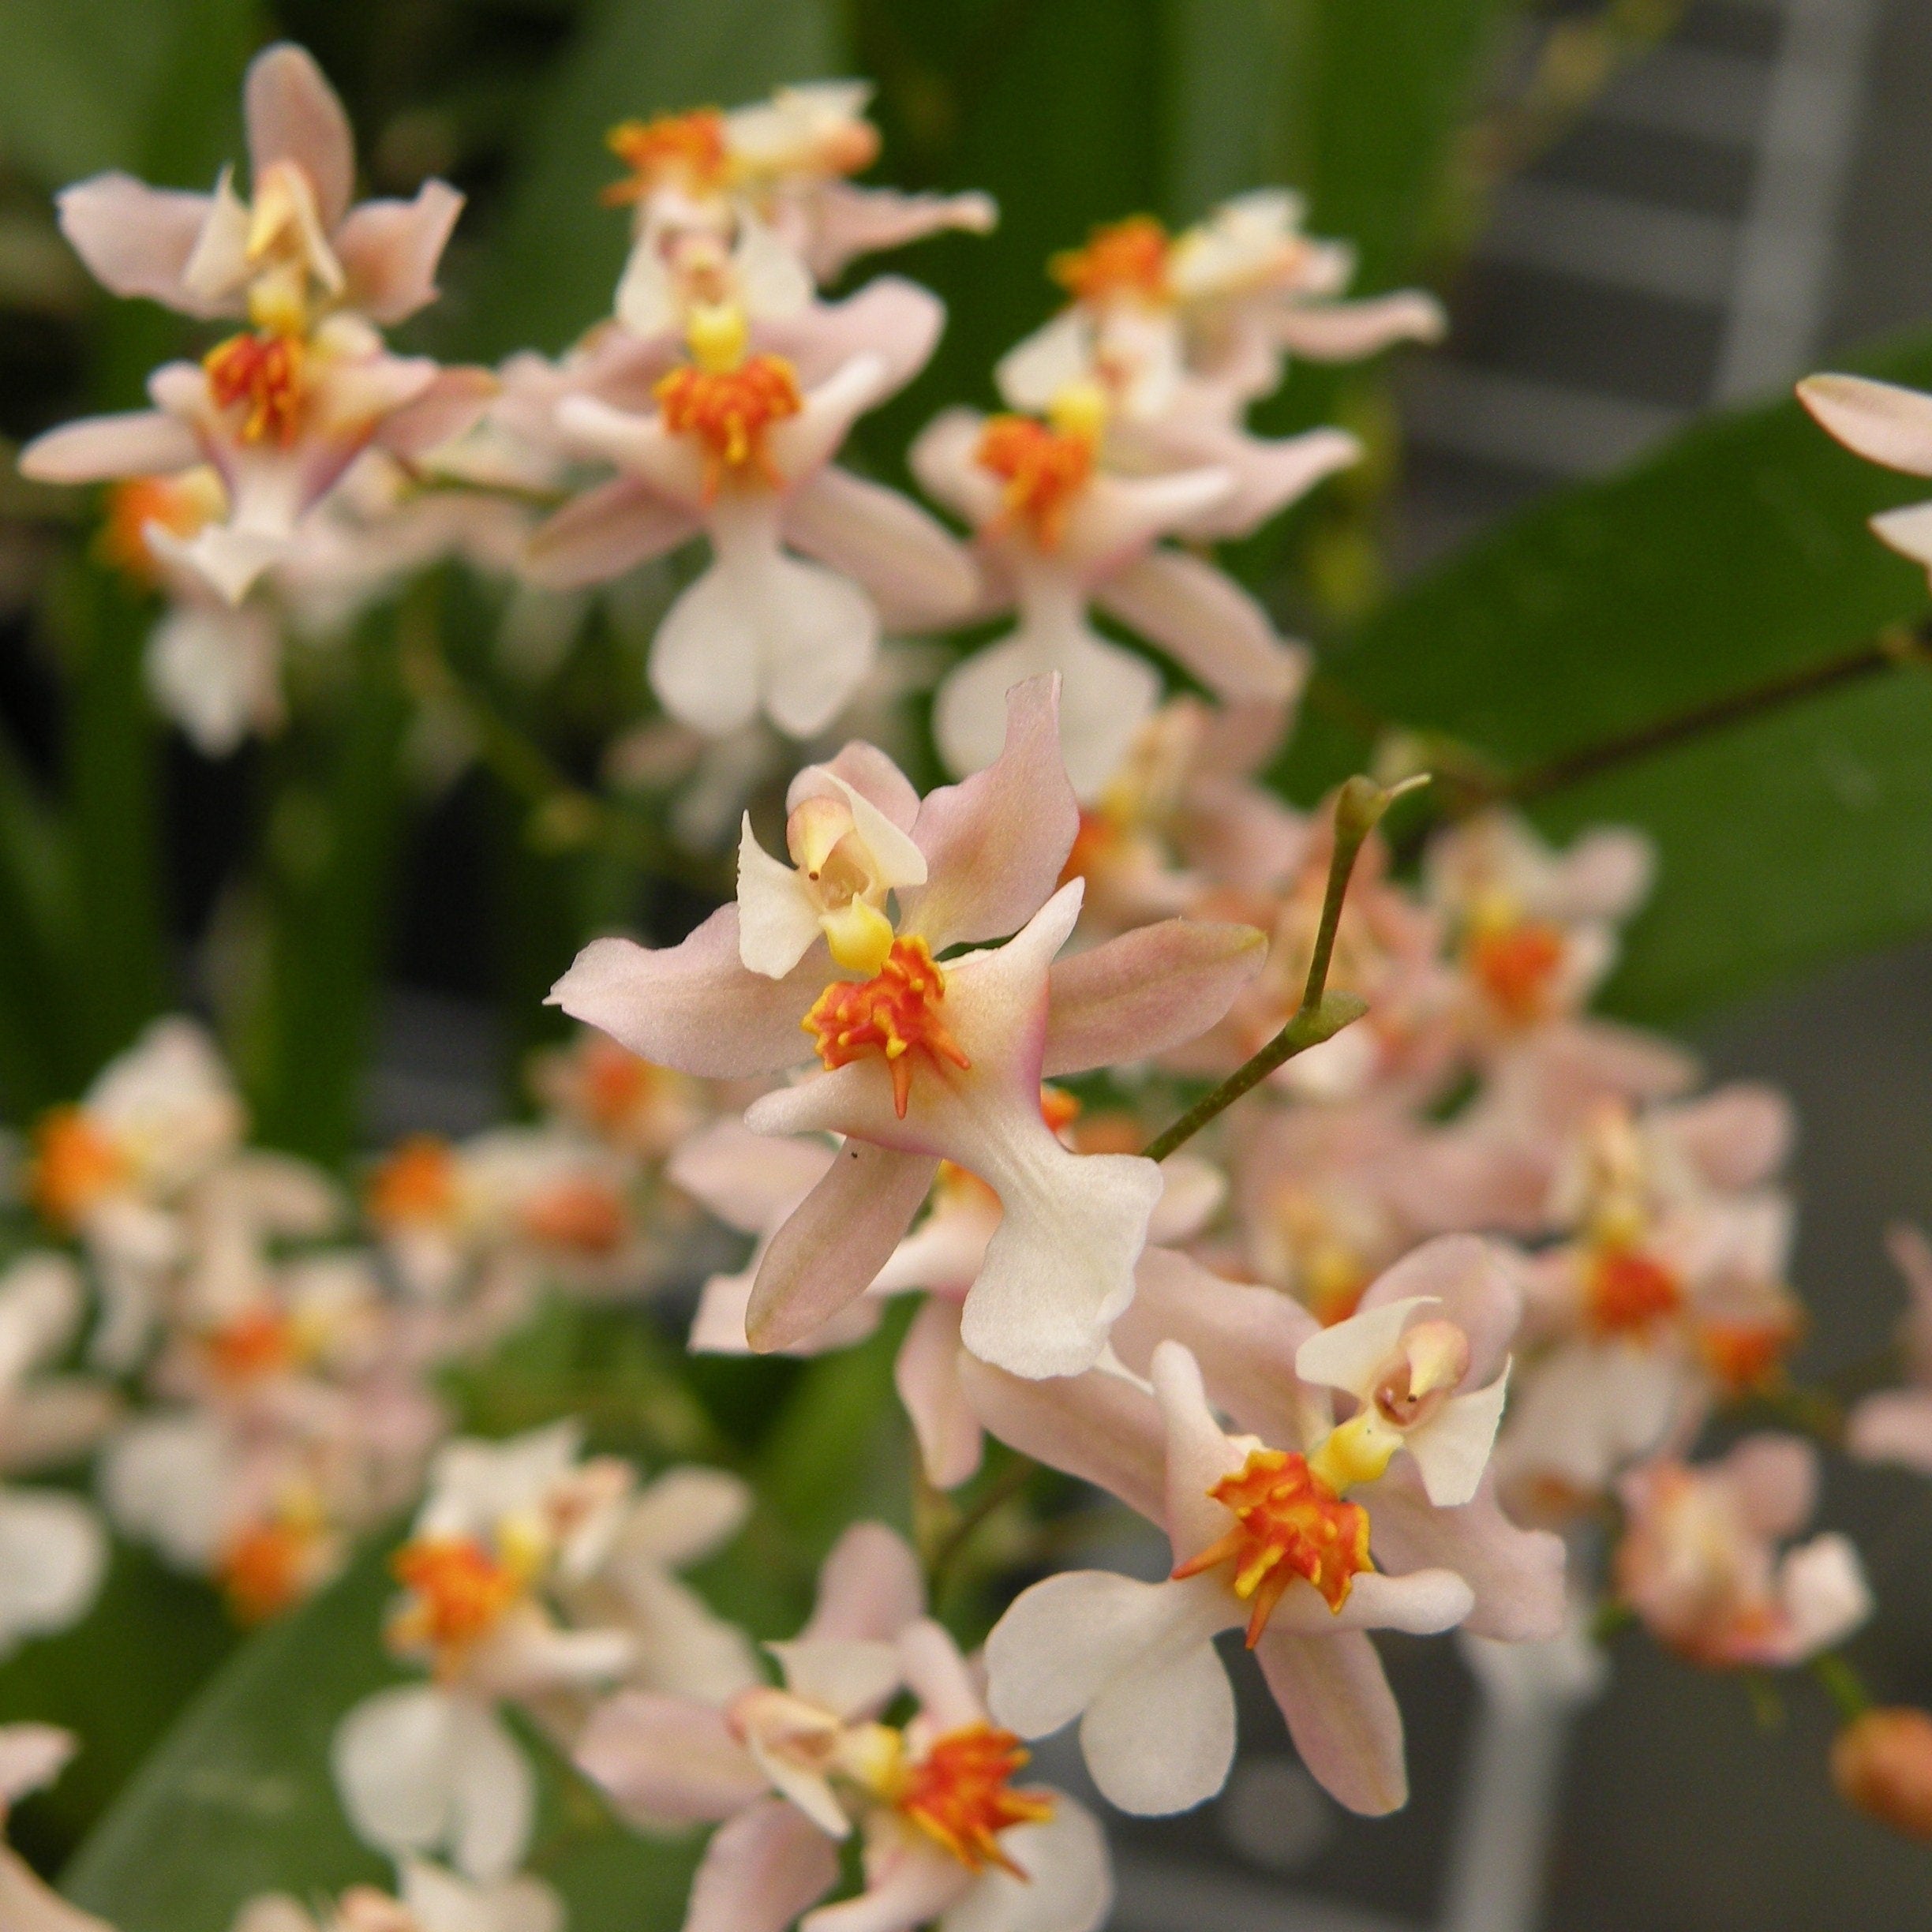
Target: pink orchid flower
point(734, 445)
point(923, 1062)
point(281, 409)
point(1894, 1425)
point(1699, 1561)
point(1058, 531)
point(1885, 424)
point(1137, 1659)
point(754, 1184)
point(949, 1841)
point(1184, 817)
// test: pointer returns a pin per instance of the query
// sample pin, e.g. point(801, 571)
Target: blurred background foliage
point(1711, 647)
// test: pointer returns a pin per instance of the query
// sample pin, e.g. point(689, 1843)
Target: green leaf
point(553, 269)
point(333, 831)
point(238, 1799)
point(116, 1679)
point(1736, 559)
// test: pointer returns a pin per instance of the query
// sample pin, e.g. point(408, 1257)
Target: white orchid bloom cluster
point(1466, 1267)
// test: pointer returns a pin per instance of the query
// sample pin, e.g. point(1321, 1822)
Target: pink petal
point(1478, 1283)
point(453, 401)
point(293, 114)
point(692, 1006)
point(136, 240)
point(803, 443)
point(141, 443)
point(761, 1871)
point(942, 460)
point(1517, 1575)
point(996, 842)
point(849, 221)
point(1067, 1884)
point(927, 1375)
point(609, 529)
point(1206, 622)
point(1199, 1452)
point(1244, 1338)
point(1115, 516)
point(869, 1588)
point(920, 579)
point(1147, 991)
point(835, 1240)
point(1345, 331)
point(1097, 1426)
point(938, 1677)
point(389, 250)
point(750, 1181)
point(944, 1253)
point(1893, 1426)
point(1738, 1136)
point(893, 319)
point(1270, 473)
point(26, 1905)
point(659, 1758)
point(916, 1881)
point(1775, 1479)
point(1881, 421)
point(873, 776)
point(1342, 1715)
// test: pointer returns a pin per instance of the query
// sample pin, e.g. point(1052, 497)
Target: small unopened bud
point(1881, 1764)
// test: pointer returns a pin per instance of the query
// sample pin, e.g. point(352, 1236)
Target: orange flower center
point(181, 505)
point(586, 1215)
point(615, 1084)
point(1515, 968)
point(1093, 843)
point(258, 1342)
point(262, 373)
point(1125, 257)
point(1629, 1291)
point(415, 1183)
point(265, 1569)
point(891, 1014)
point(961, 1793)
point(74, 1164)
point(459, 1592)
point(1042, 468)
point(690, 148)
point(728, 411)
point(1288, 1523)
point(1745, 1355)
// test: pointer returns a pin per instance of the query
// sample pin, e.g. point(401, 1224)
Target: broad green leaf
point(553, 269)
point(1736, 557)
point(116, 1679)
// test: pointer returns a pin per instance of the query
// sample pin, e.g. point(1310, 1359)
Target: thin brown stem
point(1359, 807)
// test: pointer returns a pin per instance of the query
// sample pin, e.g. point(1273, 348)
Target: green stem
point(1842, 1683)
point(1321, 1014)
point(1004, 1487)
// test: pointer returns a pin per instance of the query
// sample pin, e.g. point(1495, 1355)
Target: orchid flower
point(32, 1755)
point(427, 1899)
point(921, 1062)
point(114, 1168)
point(734, 445)
point(781, 164)
point(664, 1759)
point(1278, 1538)
point(1186, 330)
point(755, 1184)
point(429, 1769)
point(949, 1840)
point(1885, 424)
point(642, 1110)
point(283, 408)
point(1536, 930)
point(1058, 531)
point(1699, 1561)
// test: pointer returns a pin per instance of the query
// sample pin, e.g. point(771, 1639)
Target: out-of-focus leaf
point(37, 913)
point(118, 965)
point(553, 268)
point(332, 843)
point(1735, 558)
point(116, 1679)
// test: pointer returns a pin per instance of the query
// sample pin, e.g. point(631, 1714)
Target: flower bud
point(1881, 1764)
